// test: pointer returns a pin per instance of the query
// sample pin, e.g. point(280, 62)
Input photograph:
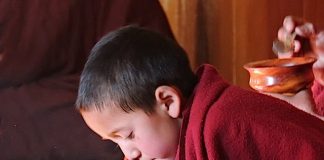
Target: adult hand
point(306, 33)
point(305, 30)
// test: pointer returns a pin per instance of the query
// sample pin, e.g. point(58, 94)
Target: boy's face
point(139, 135)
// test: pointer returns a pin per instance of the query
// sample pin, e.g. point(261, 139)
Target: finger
point(319, 44)
point(305, 30)
point(290, 22)
point(320, 39)
point(320, 34)
point(283, 34)
point(297, 46)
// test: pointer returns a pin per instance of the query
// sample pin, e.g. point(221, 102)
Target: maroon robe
point(226, 122)
point(43, 46)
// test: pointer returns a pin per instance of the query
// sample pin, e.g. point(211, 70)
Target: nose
point(135, 154)
point(130, 151)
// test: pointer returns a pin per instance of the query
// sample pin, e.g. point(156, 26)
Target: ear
point(169, 99)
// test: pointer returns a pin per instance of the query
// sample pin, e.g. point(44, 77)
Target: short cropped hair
point(126, 66)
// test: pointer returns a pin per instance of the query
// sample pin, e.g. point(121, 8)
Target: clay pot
point(284, 76)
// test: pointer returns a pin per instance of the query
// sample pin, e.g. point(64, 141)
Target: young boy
point(137, 89)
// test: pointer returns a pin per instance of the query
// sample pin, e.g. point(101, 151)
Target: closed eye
point(131, 135)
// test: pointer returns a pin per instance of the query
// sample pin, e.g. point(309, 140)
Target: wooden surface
point(230, 33)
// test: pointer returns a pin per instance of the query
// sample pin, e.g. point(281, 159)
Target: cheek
point(159, 140)
point(152, 147)
point(157, 146)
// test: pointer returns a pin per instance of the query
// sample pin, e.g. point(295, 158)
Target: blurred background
point(230, 33)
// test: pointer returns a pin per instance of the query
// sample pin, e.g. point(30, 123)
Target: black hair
point(126, 66)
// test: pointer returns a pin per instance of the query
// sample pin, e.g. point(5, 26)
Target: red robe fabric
point(225, 122)
point(318, 94)
point(43, 46)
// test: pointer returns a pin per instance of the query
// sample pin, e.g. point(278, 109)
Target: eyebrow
point(113, 134)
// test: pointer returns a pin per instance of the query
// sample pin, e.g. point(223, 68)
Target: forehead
point(111, 119)
point(105, 120)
